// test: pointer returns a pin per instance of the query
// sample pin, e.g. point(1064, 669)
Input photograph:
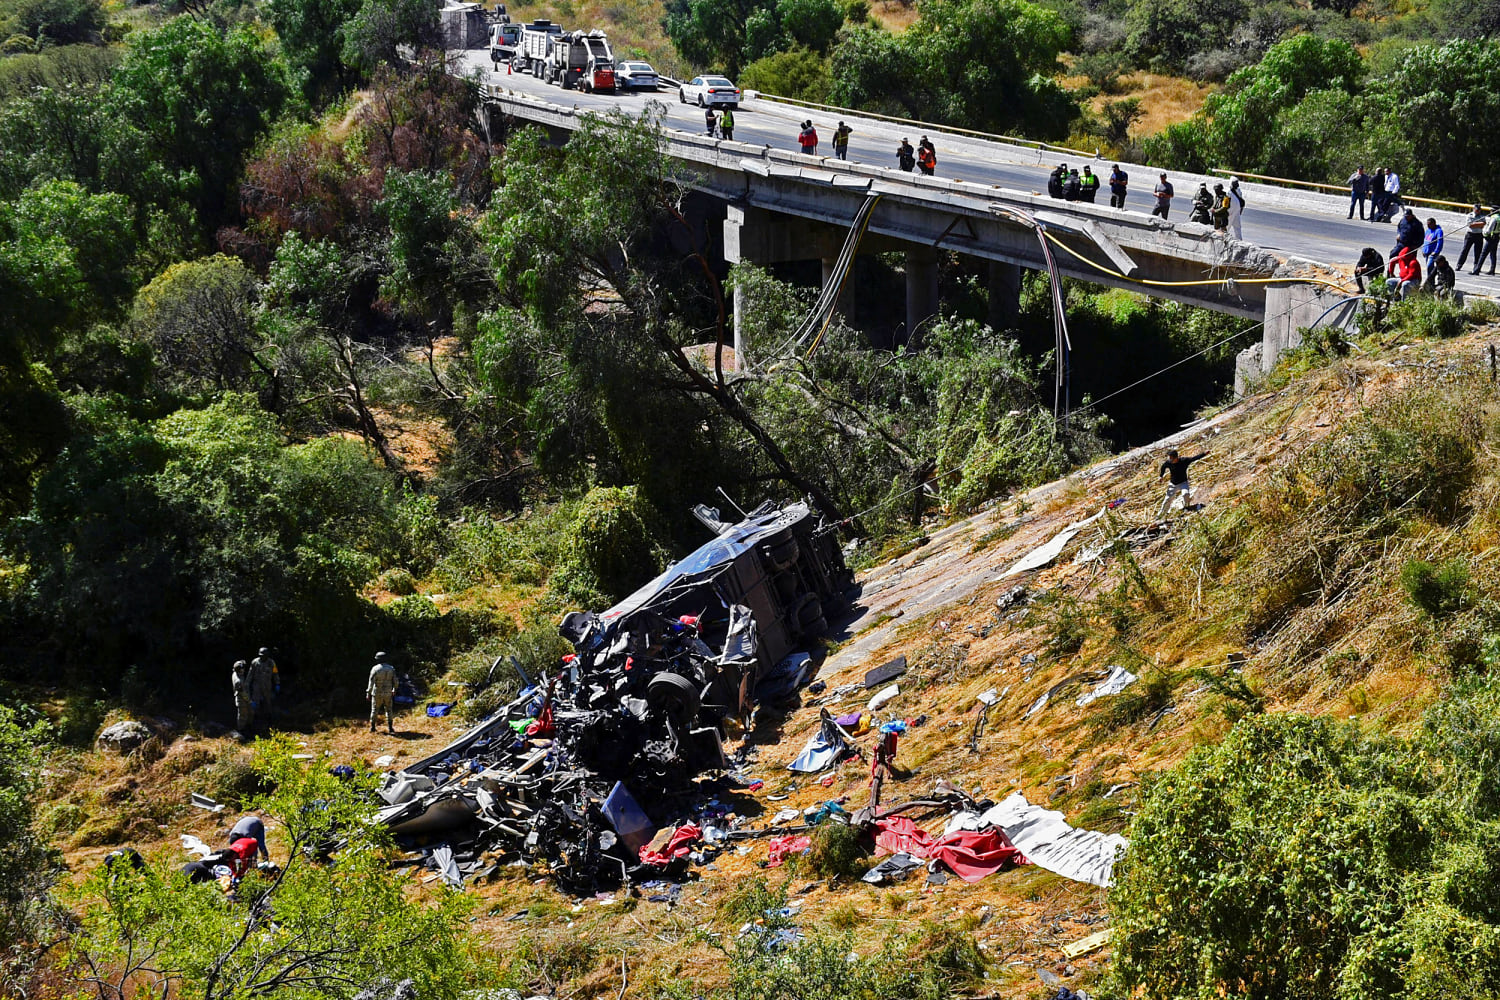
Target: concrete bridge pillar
point(1005, 295)
point(921, 287)
point(1290, 309)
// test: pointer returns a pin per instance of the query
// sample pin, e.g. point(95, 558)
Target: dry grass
point(893, 15)
point(1166, 100)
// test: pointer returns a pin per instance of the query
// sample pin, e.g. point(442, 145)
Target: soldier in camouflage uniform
point(381, 691)
point(244, 706)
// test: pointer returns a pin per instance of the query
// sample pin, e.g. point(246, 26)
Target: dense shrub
point(611, 547)
point(1437, 590)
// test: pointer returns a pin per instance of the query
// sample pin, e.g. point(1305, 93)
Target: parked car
point(633, 75)
point(709, 90)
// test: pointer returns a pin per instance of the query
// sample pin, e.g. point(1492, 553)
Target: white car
point(706, 91)
point(633, 75)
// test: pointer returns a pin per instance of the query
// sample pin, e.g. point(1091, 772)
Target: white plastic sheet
point(1045, 837)
point(1050, 549)
point(1118, 680)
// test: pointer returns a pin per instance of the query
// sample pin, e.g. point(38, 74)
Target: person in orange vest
point(926, 156)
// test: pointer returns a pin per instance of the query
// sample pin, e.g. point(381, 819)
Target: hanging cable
point(818, 320)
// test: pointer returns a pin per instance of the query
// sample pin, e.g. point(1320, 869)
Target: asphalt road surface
point(1325, 238)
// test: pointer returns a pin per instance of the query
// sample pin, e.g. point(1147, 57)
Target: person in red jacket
point(1407, 272)
point(808, 139)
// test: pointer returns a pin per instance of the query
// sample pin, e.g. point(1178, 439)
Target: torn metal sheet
point(1049, 550)
point(1045, 837)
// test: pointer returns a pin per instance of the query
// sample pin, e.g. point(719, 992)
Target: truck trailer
point(583, 60)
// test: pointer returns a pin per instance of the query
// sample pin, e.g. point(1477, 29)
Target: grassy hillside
point(1292, 590)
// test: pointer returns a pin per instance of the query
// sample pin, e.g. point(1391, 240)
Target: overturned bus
point(580, 769)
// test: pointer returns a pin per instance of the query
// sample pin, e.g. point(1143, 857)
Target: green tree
point(982, 64)
point(1241, 115)
point(1273, 865)
point(714, 33)
point(1439, 103)
point(379, 26)
point(799, 73)
point(313, 928)
point(28, 870)
point(579, 221)
point(810, 23)
point(168, 543)
point(201, 96)
point(50, 22)
point(311, 324)
point(1173, 30)
point(312, 36)
point(199, 318)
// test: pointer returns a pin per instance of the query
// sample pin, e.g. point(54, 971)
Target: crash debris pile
point(580, 773)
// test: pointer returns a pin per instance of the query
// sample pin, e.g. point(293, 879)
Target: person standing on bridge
point(1164, 193)
point(1432, 243)
point(1359, 190)
point(1392, 191)
point(1203, 206)
point(1491, 240)
point(1088, 185)
point(710, 120)
point(1072, 187)
point(726, 123)
point(1377, 195)
point(926, 156)
point(906, 157)
point(1055, 181)
point(1119, 181)
point(1473, 235)
point(808, 138)
point(1236, 208)
point(841, 141)
point(1220, 211)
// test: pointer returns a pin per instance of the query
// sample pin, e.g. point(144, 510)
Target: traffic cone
point(508, 65)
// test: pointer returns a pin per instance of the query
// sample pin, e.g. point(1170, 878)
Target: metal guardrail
point(1340, 189)
point(995, 137)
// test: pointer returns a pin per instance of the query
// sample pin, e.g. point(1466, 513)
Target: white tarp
point(1118, 680)
point(1049, 550)
point(1048, 841)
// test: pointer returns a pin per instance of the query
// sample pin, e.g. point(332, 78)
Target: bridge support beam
point(1005, 295)
point(921, 287)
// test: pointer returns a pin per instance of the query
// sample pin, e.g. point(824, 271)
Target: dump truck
point(583, 60)
point(505, 39)
point(534, 45)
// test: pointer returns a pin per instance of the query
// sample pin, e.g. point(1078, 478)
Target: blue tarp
point(822, 751)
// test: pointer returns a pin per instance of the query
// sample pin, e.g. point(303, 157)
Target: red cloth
point(677, 847)
point(543, 724)
point(971, 854)
point(784, 846)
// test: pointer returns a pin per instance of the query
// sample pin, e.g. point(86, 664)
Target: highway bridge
point(1291, 268)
